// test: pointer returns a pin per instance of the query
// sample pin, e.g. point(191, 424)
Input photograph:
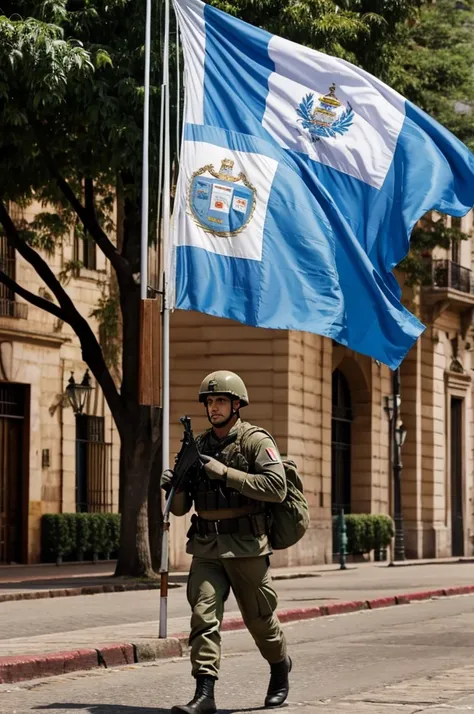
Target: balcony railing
point(446, 274)
point(9, 307)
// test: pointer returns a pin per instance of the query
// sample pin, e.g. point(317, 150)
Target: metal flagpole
point(165, 329)
point(145, 172)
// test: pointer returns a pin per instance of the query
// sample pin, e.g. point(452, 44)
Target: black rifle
point(185, 462)
point(187, 458)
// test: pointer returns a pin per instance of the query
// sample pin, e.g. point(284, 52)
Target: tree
point(71, 113)
point(434, 68)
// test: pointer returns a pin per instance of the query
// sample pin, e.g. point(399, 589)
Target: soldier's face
point(220, 409)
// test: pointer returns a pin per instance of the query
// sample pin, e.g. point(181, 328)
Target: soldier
point(228, 540)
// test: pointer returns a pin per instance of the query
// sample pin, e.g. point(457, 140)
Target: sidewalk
point(304, 593)
point(27, 582)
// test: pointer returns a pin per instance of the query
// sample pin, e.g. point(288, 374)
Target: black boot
point(203, 700)
point(279, 686)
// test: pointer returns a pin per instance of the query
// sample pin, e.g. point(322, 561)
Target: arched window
point(341, 444)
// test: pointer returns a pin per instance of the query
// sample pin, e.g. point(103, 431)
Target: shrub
point(365, 532)
point(57, 536)
point(75, 534)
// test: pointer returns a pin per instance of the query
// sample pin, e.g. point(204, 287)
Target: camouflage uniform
point(228, 538)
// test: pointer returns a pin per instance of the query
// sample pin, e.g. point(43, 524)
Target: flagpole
point(165, 328)
point(145, 169)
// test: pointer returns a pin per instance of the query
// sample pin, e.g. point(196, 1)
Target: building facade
point(325, 405)
point(52, 460)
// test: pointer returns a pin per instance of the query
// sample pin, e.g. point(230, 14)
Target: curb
point(123, 587)
point(19, 668)
point(84, 590)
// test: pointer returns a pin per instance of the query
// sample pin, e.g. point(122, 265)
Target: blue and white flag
point(301, 179)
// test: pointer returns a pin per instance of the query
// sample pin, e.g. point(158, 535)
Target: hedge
point(365, 532)
point(79, 536)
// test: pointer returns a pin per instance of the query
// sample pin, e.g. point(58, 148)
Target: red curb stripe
point(300, 613)
point(116, 655)
point(423, 595)
point(21, 668)
point(233, 623)
point(381, 602)
point(338, 608)
point(459, 590)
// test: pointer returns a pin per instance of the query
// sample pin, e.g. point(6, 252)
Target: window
point(84, 250)
point(93, 466)
point(9, 307)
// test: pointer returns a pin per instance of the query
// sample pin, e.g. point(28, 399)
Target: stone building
point(51, 460)
point(325, 404)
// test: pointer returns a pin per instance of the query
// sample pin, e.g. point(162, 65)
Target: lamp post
point(78, 393)
point(398, 435)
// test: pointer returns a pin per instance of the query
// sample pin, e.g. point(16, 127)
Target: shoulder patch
point(272, 455)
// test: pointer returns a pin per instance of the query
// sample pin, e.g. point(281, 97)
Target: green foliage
point(107, 315)
point(71, 269)
point(433, 66)
point(58, 535)
point(367, 532)
point(73, 535)
point(83, 537)
point(345, 29)
point(429, 234)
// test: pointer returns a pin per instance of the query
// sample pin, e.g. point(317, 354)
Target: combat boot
point(279, 685)
point(203, 700)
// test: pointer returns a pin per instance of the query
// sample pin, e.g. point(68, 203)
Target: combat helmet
point(224, 382)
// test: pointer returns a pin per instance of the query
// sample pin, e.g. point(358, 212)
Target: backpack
point(288, 520)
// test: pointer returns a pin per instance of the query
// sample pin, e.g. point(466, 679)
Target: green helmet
point(224, 382)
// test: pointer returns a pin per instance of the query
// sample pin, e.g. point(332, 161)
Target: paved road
point(403, 660)
point(38, 617)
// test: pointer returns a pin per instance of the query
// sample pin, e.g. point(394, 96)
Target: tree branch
point(40, 302)
point(88, 219)
point(91, 351)
point(90, 223)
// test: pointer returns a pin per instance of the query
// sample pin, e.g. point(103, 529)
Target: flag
point(301, 179)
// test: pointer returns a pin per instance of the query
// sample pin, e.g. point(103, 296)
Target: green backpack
point(288, 520)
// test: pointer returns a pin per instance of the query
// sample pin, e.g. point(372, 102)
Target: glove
point(214, 468)
point(166, 478)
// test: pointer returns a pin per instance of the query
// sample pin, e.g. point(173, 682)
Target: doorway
point(457, 521)
point(341, 444)
point(12, 473)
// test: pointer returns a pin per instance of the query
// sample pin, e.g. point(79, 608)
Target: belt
point(255, 524)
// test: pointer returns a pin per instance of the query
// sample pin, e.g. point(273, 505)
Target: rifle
point(188, 456)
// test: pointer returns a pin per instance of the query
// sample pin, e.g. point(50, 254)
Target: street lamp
point(78, 393)
point(399, 435)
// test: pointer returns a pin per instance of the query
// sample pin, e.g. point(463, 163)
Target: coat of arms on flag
point(220, 202)
point(328, 119)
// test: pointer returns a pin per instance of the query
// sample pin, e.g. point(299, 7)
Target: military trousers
point(209, 584)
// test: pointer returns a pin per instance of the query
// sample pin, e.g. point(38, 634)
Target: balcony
point(446, 274)
point(451, 288)
point(9, 307)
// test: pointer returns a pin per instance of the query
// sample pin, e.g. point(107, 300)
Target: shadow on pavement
point(60, 583)
point(121, 709)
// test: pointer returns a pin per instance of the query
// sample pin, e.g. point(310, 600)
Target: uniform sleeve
point(268, 483)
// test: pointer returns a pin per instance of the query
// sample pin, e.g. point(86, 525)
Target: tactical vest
point(212, 495)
